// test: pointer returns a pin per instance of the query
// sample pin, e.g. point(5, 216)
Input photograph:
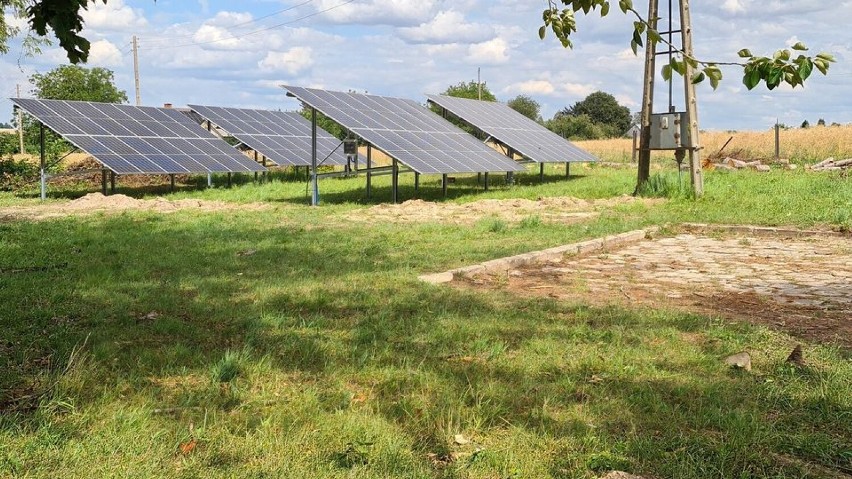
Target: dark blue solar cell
point(134, 140)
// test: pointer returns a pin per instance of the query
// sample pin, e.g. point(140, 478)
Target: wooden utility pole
point(647, 100)
point(691, 101)
point(20, 122)
point(136, 70)
point(671, 130)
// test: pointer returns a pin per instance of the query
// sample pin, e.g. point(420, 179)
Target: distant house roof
point(8, 131)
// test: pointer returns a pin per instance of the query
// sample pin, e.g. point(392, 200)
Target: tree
point(579, 127)
point(470, 90)
point(69, 82)
point(782, 67)
point(72, 82)
point(603, 109)
point(806, 124)
point(821, 122)
point(526, 106)
point(59, 17)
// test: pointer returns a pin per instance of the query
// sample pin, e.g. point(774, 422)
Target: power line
point(235, 37)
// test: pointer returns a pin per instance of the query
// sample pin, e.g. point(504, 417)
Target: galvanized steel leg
point(369, 169)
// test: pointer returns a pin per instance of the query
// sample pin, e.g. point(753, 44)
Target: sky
point(239, 54)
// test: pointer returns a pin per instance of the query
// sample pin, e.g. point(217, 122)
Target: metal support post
point(567, 169)
point(103, 182)
point(395, 181)
point(112, 182)
point(444, 184)
point(777, 141)
point(510, 178)
point(416, 181)
point(369, 173)
point(20, 124)
point(486, 181)
point(479, 178)
point(314, 179)
point(229, 179)
point(172, 181)
point(210, 180)
point(43, 174)
point(541, 172)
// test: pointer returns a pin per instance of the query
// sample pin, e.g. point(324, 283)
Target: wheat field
point(803, 145)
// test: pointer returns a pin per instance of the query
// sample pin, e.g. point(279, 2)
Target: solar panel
point(283, 137)
point(407, 131)
point(514, 130)
point(138, 140)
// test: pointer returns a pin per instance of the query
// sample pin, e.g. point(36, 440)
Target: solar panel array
point(138, 140)
point(283, 137)
point(407, 131)
point(514, 130)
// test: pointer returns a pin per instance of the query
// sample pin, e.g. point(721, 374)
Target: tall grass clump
point(665, 185)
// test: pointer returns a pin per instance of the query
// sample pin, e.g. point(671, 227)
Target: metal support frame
point(567, 169)
point(486, 181)
point(104, 181)
point(314, 179)
point(444, 184)
point(210, 180)
point(229, 179)
point(42, 173)
point(541, 172)
point(112, 182)
point(395, 181)
point(369, 167)
point(172, 181)
point(416, 181)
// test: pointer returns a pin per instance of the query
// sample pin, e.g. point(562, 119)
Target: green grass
point(321, 355)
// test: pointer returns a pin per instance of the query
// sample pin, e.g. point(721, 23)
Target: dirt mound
point(113, 204)
point(563, 209)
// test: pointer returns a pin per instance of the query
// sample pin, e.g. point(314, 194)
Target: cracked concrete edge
point(760, 230)
point(542, 256)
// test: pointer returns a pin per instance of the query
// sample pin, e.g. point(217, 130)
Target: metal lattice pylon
point(689, 145)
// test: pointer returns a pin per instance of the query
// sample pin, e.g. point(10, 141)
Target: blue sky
point(238, 53)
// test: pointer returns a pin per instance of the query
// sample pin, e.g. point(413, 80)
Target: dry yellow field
point(798, 144)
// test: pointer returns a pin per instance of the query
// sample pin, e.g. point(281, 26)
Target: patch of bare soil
point(113, 204)
point(554, 210)
point(799, 285)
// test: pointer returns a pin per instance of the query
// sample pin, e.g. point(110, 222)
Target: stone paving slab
point(551, 254)
point(794, 280)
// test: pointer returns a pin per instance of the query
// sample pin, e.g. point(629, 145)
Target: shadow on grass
point(160, 299)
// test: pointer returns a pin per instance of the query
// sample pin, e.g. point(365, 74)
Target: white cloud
point(293, 61)
point(217, 37)
point(105, 54)
point(492, 52)
point(578, 89)
point(113, 16)
point(733, 6)
point(533, 87)
point(228, 19)
point(379, 12)
point(447, 27)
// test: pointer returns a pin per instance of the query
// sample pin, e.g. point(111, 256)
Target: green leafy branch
point(782, 67)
